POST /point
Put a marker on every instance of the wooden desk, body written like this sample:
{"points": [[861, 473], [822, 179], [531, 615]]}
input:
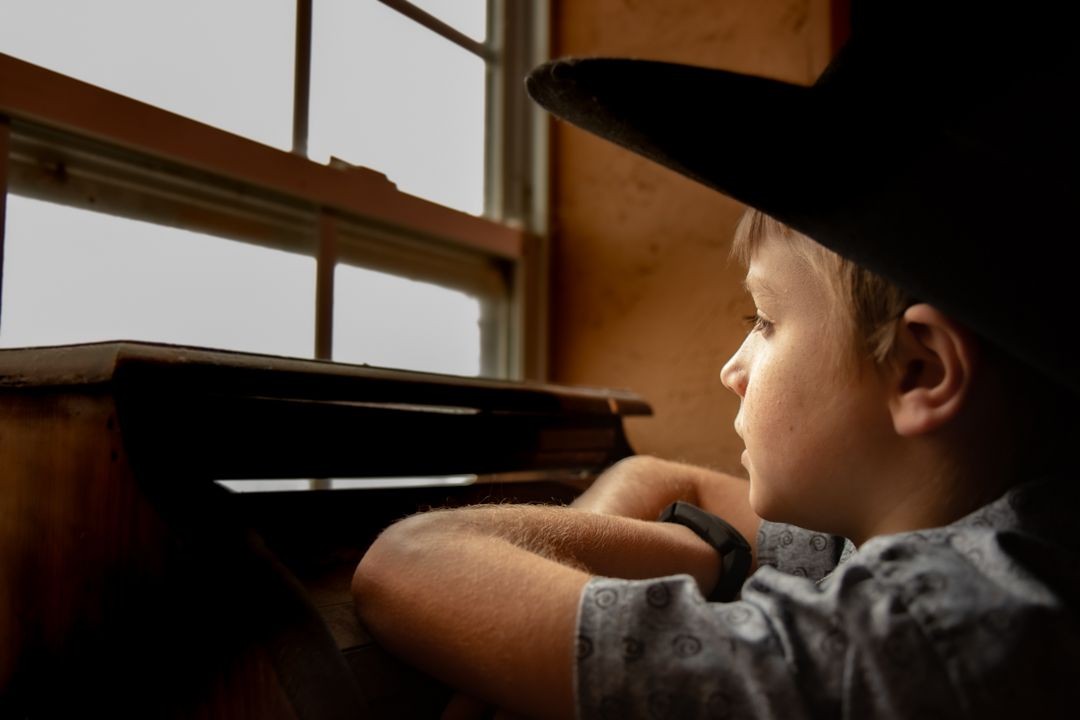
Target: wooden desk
{"points": [[133, 585]]}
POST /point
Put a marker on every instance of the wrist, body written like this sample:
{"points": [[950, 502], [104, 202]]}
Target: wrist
{"points": [[700, 559]]}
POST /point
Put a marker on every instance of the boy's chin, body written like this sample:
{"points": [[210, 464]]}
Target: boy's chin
{"points": [[768, 506], [760, 501]]}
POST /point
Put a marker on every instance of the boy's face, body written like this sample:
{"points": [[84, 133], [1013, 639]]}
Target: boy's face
{"points": [[814, 419]]}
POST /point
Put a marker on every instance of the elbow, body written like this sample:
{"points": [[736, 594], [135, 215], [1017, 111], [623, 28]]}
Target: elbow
{"points": [[366, 584], [387, 563], [372, 579]]}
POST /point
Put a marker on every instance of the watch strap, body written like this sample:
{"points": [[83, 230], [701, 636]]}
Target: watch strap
{"points": [[733, 548]]}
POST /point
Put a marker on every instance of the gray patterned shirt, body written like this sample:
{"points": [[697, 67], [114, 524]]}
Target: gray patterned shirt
{"points": [[974, 619]]}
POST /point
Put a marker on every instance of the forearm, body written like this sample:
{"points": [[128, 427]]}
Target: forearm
{"points": [[462, 593], [641, 486]]}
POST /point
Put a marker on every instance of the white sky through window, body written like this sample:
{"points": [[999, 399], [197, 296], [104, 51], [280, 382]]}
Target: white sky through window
{"points": [[72, 275], [391, 321], [227, 64], [386, 93], [391, 95]]}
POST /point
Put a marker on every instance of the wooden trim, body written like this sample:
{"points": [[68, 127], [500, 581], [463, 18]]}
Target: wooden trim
{"points": [[5, 135], [101, 364], [325, 264], [517, 174], [32, 93], [302, 78]]}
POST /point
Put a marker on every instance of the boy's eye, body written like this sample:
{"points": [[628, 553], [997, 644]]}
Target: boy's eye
{"points": [[756, 323]]}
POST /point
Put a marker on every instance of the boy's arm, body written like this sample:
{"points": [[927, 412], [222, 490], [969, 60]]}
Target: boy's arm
{"points": [[641, 486], [485, 598]]}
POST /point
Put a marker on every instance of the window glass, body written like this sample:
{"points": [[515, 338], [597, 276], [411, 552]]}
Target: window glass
{"points": [[346, 483], [71, 276], [401, 482], [227, 64], [467, 16], [261, 486], [388, 94], [389, 321]]}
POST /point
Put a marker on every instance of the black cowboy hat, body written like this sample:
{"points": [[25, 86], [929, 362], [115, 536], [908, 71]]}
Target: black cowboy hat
{"points": [[940, 148]]}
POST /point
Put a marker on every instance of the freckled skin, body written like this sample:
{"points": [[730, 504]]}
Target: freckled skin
{"points": [[815, 424]]}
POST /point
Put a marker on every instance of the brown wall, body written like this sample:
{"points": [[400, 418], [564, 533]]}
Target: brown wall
{"points": [[643, 294]]}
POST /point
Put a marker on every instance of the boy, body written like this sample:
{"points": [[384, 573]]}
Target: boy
{"points": [[918, 416]]}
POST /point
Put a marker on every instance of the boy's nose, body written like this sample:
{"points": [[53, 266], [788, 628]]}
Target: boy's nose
{"points": [[733, 374]]}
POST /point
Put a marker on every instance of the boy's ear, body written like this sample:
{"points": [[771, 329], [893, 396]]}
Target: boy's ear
{"points": [[935, 359]]}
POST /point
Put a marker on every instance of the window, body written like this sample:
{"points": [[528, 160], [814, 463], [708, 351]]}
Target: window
{"points": [[198, 173], [391, 321], [64, 284]]}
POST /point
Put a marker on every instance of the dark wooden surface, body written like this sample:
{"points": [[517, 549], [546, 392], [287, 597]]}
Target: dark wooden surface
{"points": [[131, 585]]}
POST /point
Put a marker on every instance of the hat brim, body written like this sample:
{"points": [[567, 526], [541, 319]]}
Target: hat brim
{"points": [[805, 157], [703, 123]]}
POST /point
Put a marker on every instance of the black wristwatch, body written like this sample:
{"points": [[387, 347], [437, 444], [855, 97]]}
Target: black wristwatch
{"points": [[729, 542]]}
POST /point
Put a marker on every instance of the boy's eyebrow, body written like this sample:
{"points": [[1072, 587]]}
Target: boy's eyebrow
{"points": [[756, 286]]}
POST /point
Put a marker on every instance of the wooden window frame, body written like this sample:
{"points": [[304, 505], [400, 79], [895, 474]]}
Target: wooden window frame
{"points": [[74, 143]]}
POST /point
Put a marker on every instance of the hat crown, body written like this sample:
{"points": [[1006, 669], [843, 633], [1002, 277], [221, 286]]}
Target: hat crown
{"points": [[938, 149], [950, 51], [980, 73]]}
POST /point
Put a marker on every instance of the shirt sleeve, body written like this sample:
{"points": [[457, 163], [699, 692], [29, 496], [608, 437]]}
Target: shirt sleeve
{"points": [[788, 648]]}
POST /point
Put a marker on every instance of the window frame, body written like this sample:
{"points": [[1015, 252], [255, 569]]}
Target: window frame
{"points": [[77, 144]]}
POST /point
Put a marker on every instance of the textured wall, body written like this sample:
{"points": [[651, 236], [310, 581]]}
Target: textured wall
{"points": [[643, 294]]}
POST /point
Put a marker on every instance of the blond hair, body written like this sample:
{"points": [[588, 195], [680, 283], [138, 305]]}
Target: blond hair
{"points": [[869, 305]]}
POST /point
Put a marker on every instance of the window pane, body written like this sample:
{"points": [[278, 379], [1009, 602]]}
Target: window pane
{"points": [[391, 95], [72, 276], [265, 485], [346, 483], [390, 321], [400, 482], [468, 16], [227, 64]]}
